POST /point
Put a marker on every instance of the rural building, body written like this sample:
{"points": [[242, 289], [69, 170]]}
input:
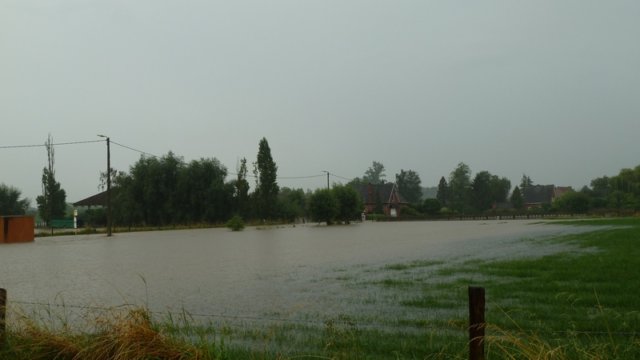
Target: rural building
{"points": [[99, 199], [537, 196], [382, 197], [16, 229]]}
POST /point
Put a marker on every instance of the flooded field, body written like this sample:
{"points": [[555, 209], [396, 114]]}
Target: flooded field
{"points": [[302, 272]]}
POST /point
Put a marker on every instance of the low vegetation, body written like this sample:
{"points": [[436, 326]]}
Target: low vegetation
{"points": [[235, 223]]}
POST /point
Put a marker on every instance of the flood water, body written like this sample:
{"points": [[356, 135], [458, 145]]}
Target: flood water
{"points": [[256, 272]]}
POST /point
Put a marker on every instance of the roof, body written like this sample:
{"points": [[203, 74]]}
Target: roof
{"points": [[99, 199], [561, 190], [368, 193], [538, 194]]}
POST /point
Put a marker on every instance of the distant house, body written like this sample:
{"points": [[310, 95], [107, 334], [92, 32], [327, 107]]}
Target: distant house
{"points": [[382, 197], [538, 196]]}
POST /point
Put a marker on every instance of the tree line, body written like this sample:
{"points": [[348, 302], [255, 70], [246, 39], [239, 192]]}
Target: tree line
{"points": [[167, 190]]}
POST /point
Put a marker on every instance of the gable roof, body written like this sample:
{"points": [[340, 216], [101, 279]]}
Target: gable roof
{"points": [[386, 192]]}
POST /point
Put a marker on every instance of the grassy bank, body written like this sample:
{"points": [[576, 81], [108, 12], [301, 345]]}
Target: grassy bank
{"points": [[580, 303]]}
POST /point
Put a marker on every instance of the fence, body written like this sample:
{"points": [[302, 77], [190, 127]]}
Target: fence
{"points": [[488, 216], [476, 327], [476, 321]]}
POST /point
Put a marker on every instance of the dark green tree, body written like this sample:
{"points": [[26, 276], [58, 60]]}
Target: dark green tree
{"points": [[10, 202], [323, 206], [431, 206], [409, 186], [517, 201], [266, 193], [52, 203], [481, 191], [573, 202], [125, 212], [443, 192], [460, 188], [152, 189], [525, 181], [356, 183], [166, 190], [292, 204], [241, 193], [488, 189], [600, 191], [349, 203], [375, 174], [202, 193]]}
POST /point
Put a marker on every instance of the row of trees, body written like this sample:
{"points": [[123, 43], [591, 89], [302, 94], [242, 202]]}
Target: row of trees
{"points": [[460, 193], [463, 194], [168, 190], [340, 203], [616, 193], [409, 183]]}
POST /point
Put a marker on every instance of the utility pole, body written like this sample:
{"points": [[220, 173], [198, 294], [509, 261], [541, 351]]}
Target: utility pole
{"points": [[327, 178], [108, 184]]}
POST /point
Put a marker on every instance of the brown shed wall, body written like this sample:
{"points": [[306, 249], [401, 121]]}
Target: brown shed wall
{"points": [[15, 229]]}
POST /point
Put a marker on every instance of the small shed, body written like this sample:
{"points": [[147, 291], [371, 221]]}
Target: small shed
{"points": [[17, 229]]}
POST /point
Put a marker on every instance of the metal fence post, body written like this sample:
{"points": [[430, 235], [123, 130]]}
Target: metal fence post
{"points": [[476, 323]]}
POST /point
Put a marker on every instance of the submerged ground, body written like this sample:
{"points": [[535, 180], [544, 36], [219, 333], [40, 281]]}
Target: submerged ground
{"points": [[369, 290]]}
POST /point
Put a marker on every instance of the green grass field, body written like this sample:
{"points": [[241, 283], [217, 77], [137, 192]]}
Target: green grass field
{"points": [[582, 303]]}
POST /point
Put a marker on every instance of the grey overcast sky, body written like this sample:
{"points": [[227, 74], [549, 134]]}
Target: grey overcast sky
{"points": [[546, 88]]}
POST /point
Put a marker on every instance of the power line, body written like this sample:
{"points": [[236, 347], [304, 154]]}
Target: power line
{"points": [[340, 177], [44, 145], [133, 149], [300, 177], [152, 155]]}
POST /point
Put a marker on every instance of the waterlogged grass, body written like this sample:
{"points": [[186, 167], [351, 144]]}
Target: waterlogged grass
{"points": [[413, 264], [581, 303]]}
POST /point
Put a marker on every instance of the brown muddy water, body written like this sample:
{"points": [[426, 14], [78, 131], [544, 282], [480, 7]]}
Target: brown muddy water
{"points": [[302, 272]]}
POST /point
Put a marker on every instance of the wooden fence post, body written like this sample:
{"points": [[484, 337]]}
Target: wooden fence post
{"points": [[476, 323], [3, 316]]}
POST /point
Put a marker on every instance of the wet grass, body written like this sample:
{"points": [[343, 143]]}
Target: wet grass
{"points": [[412, 265], [581, 303]]}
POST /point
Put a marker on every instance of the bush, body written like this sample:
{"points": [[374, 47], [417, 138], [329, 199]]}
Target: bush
{"points": [[323, 206], [431, 207], [235, 223]]}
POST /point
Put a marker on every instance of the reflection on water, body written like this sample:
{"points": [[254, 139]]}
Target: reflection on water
{"points": [[284, 271]]}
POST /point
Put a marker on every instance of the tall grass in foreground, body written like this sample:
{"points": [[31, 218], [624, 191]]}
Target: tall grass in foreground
{"points": [[134, 335], [117, 336]]}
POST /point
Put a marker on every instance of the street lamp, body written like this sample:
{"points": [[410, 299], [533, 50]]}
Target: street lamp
{"points": [[108, 184]]}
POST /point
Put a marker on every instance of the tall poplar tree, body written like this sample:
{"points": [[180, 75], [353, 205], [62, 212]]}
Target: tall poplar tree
{"points": [[242, 189], [52, 203], [443, 192], [267, 189]]}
